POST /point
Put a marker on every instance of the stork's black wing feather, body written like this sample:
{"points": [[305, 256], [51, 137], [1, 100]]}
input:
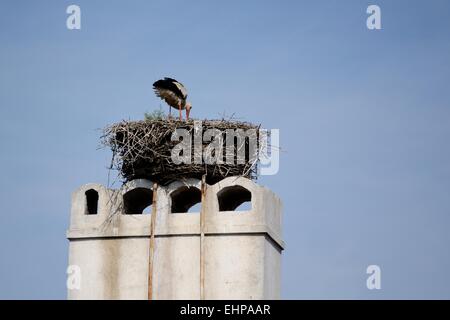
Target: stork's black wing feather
{"points": [[170, 84], [171, 79]]}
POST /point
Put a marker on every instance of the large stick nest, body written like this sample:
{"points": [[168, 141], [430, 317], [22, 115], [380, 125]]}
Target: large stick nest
{"points": [[142, 149]]}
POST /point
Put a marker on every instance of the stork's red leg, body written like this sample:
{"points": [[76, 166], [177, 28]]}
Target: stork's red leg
{"points": [[179, 109]]}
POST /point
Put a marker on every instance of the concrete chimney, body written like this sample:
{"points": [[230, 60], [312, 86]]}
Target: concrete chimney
{"points": [[118, 252]]}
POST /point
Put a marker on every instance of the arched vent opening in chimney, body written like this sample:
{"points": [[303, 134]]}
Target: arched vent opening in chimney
{"points": [[138, 201], [234, 198], [186, 199], [91, 201]]}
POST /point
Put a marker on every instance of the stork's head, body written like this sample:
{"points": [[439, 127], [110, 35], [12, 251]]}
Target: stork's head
{"points": [[188, 109]]}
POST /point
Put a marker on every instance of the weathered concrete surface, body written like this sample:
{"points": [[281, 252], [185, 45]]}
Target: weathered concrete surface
{"points": [[242, 249]]}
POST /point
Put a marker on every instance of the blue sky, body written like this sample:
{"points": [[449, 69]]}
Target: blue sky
{"points": [[364, 119]]}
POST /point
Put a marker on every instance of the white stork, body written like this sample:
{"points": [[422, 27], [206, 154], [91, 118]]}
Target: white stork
{"points": [[174, 93]]}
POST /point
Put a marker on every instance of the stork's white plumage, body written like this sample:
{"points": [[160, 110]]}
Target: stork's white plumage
{"points": [[174, 93]]}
